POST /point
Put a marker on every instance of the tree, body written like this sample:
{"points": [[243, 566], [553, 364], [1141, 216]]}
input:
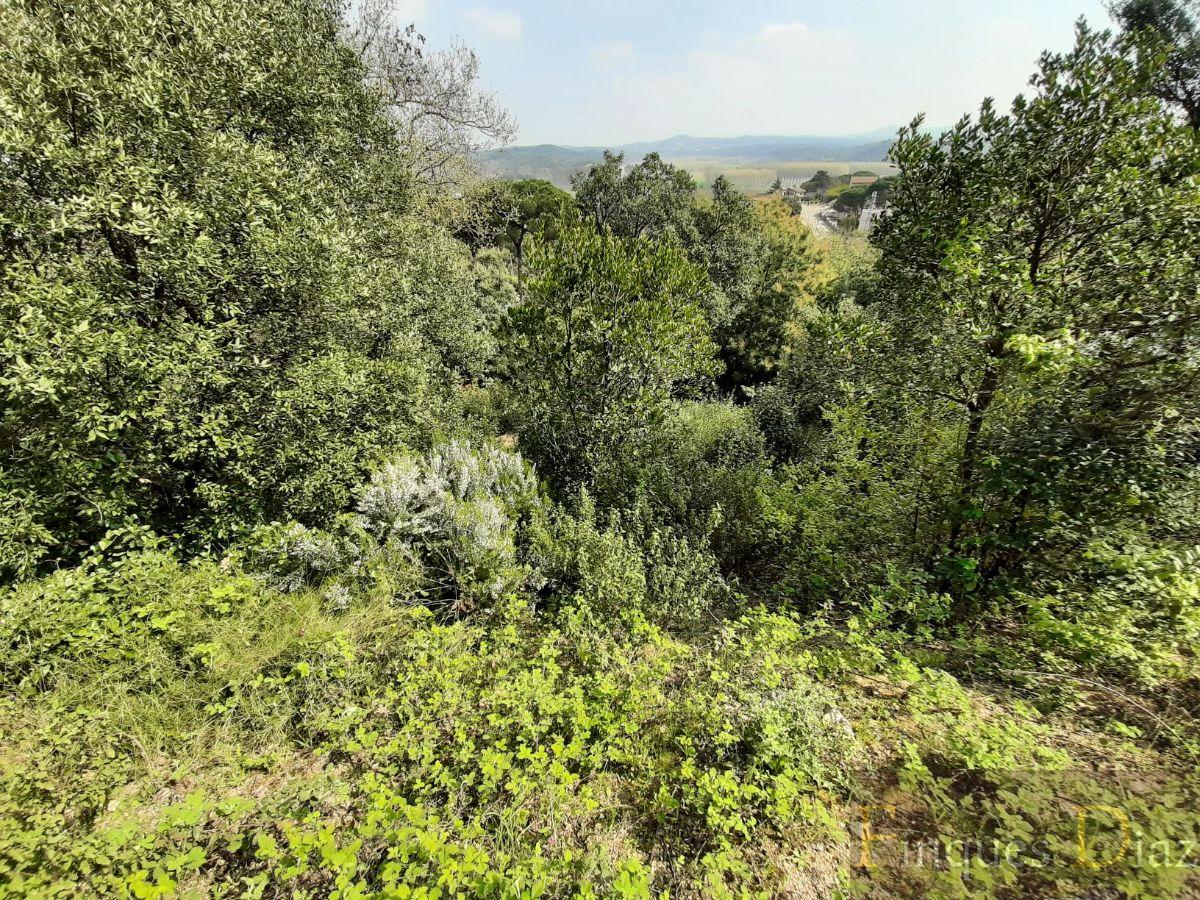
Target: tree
{"points": [[216, 302], [1039, 292], [1176, 24], [758, 255], [761, 334], [518, 209], [441, 116], [651, 198], [853, 199], [726, 239], [606, 332], [819, 183], [746, 306]]}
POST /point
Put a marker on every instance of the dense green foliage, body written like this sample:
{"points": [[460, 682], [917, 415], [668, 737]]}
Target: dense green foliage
{"points": [[183, 730], [367, 530], [753, 265], [1171, 27], [208, 273], [1029, 344], [608, 328], [510, 212]]}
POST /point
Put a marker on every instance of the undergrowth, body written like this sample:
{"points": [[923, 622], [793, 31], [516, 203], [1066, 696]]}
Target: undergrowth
{"points": [[187, 730]]}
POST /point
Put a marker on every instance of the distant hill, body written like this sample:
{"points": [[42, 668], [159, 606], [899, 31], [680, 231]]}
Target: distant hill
{"points": [[558, 163]]}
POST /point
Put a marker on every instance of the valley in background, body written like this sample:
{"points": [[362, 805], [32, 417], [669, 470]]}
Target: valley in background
{"points": [[751, 163]]}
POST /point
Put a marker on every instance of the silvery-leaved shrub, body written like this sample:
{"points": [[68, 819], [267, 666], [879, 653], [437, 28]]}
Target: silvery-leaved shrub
{"points": [[445, 528]]}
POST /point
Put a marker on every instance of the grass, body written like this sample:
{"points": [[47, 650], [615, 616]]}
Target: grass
{"points": [[192, 733]]}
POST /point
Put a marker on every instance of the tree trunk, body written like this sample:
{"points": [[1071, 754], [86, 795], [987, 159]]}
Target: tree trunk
{"points": [[968, 466], [519, 247]]}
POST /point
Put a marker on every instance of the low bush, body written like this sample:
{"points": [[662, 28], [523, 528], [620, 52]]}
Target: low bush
{"points": [[182, 728], [621, 573], [442, 529]]}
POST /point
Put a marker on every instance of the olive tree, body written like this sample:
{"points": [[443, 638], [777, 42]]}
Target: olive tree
{"points": [[441, 114]]}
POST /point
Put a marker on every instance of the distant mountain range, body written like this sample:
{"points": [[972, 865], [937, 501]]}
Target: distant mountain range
{"points": [[557, 163]]}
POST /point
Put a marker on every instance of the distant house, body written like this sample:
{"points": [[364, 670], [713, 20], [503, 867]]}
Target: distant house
{"points": [[792, 187], [863, 179]]}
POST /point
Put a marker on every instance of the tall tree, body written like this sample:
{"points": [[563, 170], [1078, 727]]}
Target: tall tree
{"points": [[853, 199], [750, 267], [760, 334], [519, 209], [819, 183], [651, 198], [1039, 287], [757, 255], [441, 114], [216, 307]]}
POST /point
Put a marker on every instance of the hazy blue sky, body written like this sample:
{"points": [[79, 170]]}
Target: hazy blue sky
{"points": [[624, 70]]}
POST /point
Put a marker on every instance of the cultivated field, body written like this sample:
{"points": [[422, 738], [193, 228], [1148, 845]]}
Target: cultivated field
{"points": [[758, 178]]}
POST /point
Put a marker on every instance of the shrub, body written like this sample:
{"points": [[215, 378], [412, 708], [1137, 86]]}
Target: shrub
{"points": [[622, 575], [134, 622], [1124, 610], [445, 529], [713, 479]]}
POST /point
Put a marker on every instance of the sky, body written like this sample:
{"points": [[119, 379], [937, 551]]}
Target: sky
{"points": [[618, 71]]}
